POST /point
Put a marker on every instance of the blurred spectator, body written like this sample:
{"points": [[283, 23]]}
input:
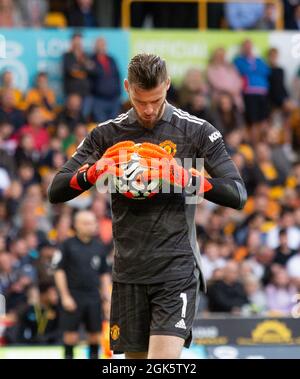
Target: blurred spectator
{"points": [[265, 170], [70, 145], [227, 294], [43, 96], [26, 152], [279, 153], [244, 15], [6, 272], [277, 92], [44, 263], [193, 83], [261, 263], [8, 111], [295, 20], [296, 87], [255, 74], [7, 143], [76, 68], [286, 221], [81, 14], [198, 107], [280, 293], [71, 114], [35, 127], [4, 181], [256, 296], [104, 104], [283, 253], [223, 77], [7, 82], [289, 8], [215, 15], [33, 12], [211, 259], [39, 319], [227, 116], [268, 20], [10, 16], [293, 269]]}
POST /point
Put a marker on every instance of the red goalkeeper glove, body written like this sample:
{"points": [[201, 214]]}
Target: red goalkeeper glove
{"points": [[108, 164], [163, 166]]}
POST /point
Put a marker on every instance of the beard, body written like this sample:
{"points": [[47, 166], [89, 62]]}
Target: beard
{"points": [[152, 122]]}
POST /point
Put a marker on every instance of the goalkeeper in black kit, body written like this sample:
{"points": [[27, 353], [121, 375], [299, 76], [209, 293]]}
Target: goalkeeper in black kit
{"points": [[157, 269]]}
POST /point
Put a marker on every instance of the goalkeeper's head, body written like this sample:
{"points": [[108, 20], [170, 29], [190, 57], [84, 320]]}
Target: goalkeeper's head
{"points": [[147, 86]]}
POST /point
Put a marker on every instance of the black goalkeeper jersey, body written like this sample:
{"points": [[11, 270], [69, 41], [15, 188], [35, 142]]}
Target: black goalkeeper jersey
{"points": [[155, 239]]}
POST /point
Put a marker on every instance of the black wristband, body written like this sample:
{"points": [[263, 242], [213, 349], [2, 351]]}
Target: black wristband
{"points": [[82, 180]]}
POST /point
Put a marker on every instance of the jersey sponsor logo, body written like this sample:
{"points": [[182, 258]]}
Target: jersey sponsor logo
{"points": [[214, 136], [169, 146], [180, 324], [115, 332]]}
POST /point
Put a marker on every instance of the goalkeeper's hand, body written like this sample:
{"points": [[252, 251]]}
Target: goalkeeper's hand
{"points": [[108, 164], [163, 166]]}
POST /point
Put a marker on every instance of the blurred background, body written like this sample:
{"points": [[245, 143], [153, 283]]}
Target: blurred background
{"points": [[62, 66]]}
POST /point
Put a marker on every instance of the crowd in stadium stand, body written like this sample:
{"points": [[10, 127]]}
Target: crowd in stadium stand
{"points": [[251, 258], [92, 13]]}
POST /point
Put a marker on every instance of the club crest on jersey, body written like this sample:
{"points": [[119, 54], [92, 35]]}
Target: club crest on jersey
{"points": [[169, 146], [115, 332]]}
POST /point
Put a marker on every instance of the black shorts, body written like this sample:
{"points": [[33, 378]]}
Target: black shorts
{"points": [[257, 108], [88, 313], [139, 311]]}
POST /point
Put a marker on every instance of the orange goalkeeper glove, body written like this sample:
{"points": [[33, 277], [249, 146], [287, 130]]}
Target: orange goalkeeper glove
{"points": [[108, 164], [163, 166]]}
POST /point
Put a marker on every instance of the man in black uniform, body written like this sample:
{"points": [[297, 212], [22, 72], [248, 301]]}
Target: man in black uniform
{"points": [[77, 274], [157, 268]]}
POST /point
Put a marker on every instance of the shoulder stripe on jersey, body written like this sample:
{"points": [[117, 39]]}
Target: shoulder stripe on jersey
{"points": [[199, 122], [186, 114], [117, 120]]}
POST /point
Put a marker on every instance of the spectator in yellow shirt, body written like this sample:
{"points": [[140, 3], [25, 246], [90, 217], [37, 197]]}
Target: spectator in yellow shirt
{"points": [[7, 82], [43, 96]]}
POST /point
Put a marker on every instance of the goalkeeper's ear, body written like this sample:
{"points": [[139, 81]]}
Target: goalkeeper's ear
{"points": [[168, 82]]}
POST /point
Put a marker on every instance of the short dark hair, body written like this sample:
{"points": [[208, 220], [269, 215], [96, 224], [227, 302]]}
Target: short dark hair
{"points": [[147, 71]]}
